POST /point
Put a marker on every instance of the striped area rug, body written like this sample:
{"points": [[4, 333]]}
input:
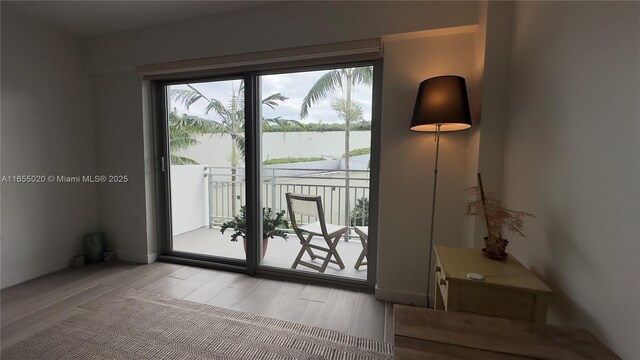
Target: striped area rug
{"points": [[136, 325]]}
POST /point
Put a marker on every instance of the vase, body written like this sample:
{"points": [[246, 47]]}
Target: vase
{"points": [[265, 244], [93, 247], [495, 249]]}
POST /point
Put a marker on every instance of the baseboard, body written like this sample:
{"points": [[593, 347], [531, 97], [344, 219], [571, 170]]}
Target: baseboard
{"points": [[401, 297], [11, 278], [134, 258], [137, 258]]}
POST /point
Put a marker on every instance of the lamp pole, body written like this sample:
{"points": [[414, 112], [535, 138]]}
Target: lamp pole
{"points": [[433, 210], [441, 105]]}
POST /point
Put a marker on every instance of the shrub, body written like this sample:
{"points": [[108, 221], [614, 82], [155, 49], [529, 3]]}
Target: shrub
{"points": [[290, 160], [320, 127], [356, 152]]}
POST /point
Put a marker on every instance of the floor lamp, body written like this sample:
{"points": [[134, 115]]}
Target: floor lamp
{"points": [[441, 105]]}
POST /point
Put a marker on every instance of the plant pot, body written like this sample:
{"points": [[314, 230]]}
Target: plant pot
{"points": [[495, 249], [265, 244]]}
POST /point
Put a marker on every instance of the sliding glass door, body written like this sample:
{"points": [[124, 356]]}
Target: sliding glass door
{"points": [[316, 143], [271, 171], [206, 166]]}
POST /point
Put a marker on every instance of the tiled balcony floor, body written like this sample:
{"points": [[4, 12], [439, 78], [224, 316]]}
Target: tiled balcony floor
{"points": [[280, 252]]}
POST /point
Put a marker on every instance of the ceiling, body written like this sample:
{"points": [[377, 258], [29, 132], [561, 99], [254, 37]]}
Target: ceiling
{"points": [[90, 18]]}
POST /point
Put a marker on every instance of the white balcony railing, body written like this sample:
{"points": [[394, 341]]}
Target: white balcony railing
{"points": [[342, 191]]}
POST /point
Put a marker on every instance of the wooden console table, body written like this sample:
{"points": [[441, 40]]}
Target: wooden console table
{"points": [[421, 333], [508, 289]]}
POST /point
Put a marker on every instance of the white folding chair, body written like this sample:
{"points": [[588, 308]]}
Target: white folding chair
{"points": [[311, 206]]}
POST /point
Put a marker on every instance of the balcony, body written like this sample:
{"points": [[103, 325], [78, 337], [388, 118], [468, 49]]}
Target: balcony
{"points": [[280, 252], [204, 197]]}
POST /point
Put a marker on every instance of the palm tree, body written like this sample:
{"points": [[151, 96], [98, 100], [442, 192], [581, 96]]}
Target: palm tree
{"points": [[182, 135], [329, 83], [231, 120]]}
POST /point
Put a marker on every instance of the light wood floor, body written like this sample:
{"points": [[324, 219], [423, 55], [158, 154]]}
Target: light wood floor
{"points": [[41, 303]]}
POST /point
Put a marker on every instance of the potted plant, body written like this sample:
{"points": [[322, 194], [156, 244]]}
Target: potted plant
{"points": [[360, 213], [272, 225], [496, 218]]}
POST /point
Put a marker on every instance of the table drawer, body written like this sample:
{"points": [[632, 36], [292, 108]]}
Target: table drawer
{"points": [[443, 285]]}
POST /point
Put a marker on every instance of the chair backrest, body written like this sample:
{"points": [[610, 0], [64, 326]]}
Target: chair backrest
{"points": [[307, 205]]}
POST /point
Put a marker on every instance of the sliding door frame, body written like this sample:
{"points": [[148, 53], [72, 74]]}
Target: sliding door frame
{"points": [[374, 177], [253, 178], [163, 181]]}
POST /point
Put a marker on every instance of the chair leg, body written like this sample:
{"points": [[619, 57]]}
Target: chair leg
{"points": [[309, 251], [305, 248], [336, 253], [333, 252], [298, 258], [363, 253], [327, 258]]}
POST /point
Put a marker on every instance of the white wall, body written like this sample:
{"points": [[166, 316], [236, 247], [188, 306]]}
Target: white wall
{"points": [[475, 86], [487, 138], [495, 90], [124, 210], [122, 207], [215, 150], [309, 144], [572, 158], [47, 128], [407, 160], [273, 26], [189, 198]]}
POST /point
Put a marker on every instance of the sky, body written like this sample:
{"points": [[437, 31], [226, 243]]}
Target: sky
{"points": [[295, 86]]}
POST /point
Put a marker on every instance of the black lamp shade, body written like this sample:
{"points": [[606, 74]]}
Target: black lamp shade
{"points": [[442, 101]]}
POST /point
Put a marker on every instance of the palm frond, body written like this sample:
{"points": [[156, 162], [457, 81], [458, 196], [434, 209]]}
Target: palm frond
{"points": [[362, 75], [240, 118], [279, 124], [196, 90], [181, 160], [191, 124], [327, 83], [272, 100], [183, 130], [242, 146], [237, 99], [211, 126], [233, 103], [185, 96], [220, 109], [182, 143]]}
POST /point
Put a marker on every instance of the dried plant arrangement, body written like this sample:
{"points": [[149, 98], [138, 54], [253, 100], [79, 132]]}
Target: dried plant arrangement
{"points": [[497, 218]]}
